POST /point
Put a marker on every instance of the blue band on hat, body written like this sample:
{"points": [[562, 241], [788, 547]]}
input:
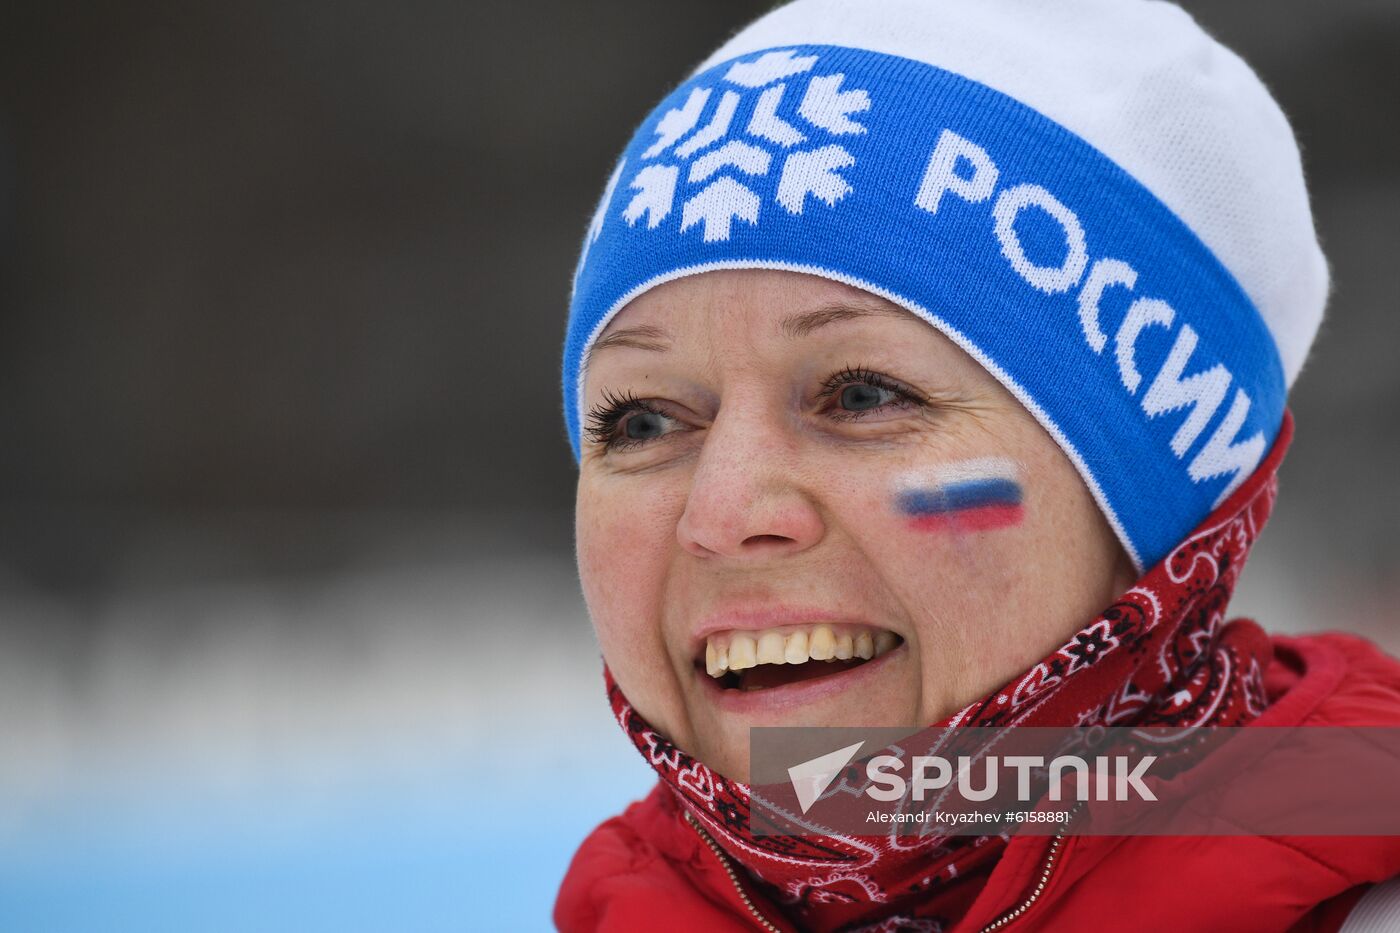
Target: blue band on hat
{"points": [[1084, 295]]}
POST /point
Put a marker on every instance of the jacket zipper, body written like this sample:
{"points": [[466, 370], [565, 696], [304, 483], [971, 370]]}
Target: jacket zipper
{"points": [[1047, 869], [733, 877]]}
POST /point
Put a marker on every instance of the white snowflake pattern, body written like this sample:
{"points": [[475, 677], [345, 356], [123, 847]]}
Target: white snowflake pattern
{"points": [[711, 155]]}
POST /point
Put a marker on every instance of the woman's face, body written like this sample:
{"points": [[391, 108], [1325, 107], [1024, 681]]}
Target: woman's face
{"points": [[798, 504]]}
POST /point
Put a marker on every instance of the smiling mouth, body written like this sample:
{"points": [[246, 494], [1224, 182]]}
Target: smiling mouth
{"points": [[777, 657]]}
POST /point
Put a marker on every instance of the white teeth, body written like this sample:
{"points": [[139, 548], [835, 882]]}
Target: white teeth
{"points": [[844, 651], [770, 648], [716, 659], [865, 646], [739, 651], [795, 652]]}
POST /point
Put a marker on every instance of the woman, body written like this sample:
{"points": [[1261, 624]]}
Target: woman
{"points": [[927, 365]]}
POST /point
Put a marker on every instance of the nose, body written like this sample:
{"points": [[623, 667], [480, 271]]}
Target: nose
{"points": [[746, 500]]}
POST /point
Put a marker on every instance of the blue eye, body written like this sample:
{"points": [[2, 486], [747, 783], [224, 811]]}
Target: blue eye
{"points": [[857, 390], [624, 421], [644, 425], [863, 397]]}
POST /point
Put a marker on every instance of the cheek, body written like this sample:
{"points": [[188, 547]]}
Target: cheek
{"points": [[958, 537], [962, 498], [964, 518], [623, 547]]}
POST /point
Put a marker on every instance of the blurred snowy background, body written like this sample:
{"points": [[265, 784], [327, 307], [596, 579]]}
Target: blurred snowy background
{"points": [[286, 582]]}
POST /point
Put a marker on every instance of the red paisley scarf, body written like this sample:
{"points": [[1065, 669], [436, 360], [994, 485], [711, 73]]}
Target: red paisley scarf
{"points": [[1162, 654]]}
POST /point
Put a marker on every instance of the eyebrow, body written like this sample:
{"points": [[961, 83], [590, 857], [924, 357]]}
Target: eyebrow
{"points": [[800, 325], [649, 337], [641, 337]]}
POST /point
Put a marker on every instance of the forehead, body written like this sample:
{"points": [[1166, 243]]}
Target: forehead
{"points": [[745, 303], [765, 291]]}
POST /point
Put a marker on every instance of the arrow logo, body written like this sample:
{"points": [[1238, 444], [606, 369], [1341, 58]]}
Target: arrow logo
{"points": [[811, 778]]}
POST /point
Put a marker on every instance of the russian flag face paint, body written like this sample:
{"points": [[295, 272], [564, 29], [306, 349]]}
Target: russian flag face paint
{"points": [[967, 495]]}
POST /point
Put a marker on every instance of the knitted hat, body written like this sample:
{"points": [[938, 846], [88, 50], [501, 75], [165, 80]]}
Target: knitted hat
{"points": [[1093, 198]]}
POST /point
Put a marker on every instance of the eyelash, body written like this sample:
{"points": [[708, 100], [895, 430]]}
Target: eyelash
{"points": [[604, 418], [904, 396]]}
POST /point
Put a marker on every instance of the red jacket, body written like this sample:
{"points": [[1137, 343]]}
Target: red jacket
{"points": [[648, 870]]}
